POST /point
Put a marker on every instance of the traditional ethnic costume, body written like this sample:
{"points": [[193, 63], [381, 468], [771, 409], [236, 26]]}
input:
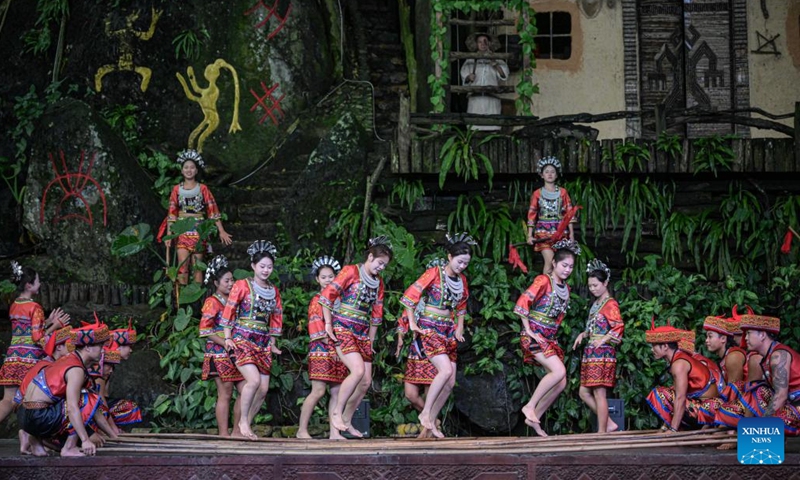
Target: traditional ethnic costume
{"points": [[196, 203], [419, 370], [544, 305], [61, 336], [216, 361], [701, 399], [442, 292], [51, 419], [27, 338], [757, 396], [729, 329], [361, 306], [123, 410], [255, 315], [599, 364], [324, 363], [547, 208]]}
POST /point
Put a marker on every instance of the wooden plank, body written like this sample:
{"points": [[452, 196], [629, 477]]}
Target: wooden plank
{"points": [[685, 160], [769, 155], [649, 165], [401, 164], [595, 156], [738, 149], [416, 154], [548, 149], [797, 134], [784, 155], [583, 156], [758, 155], [747, 156]]}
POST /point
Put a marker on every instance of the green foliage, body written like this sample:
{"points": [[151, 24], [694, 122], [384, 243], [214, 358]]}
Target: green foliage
{"points": [[713, 154], [628, 156], [122, 119], [188, 43], [49, 12], [407, 193], [165, 171], [459, 154], [669, 144], [492, 227]]}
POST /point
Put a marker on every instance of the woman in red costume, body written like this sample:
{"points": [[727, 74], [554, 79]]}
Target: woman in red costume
{"points": [[29, 332], [419, 372], [216, 362], [604, 329], [252, 322], [548, 206], [542, 308], [441, 322], [192, 199], [324, 365], [352, 326]]}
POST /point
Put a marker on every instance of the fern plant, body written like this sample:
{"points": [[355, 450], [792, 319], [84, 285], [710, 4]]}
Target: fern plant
{"points": [[459, 154]]}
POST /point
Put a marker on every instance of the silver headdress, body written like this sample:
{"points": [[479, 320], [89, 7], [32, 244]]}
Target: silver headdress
{"points": [[544, 162], [380, 240], [436, 262], [259, 247], [596, 265], [214, 266], [192, 155], [16, 272], [460, 238], [567, 244], [325, 261]]}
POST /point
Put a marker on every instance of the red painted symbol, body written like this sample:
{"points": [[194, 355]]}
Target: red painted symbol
{"points": [[271, 12], [73, 184], [271, 104]]}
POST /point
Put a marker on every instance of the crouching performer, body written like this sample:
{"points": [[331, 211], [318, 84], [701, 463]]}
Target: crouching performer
{"points": [[60, 400]]}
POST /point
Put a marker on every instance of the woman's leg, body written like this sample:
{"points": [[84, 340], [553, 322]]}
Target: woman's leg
{"points": [[442, 399], [355, 364], [333, 434], [549, 386], [316, 394], [547, 256], [223, 407], [604, 423], [587, 395], [183, 266], [7, 403], [237, 410], [412, 394], [252, 380], [444, 372], [261, 396], [355, 400], [198, 274]]}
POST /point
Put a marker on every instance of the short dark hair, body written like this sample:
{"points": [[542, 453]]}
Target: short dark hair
{"points": [[380, 250], [459, 248], [563, 253], [28, 276], [598, 274]]}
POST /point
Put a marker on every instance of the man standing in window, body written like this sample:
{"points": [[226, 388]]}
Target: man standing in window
{"points": [[483, 72]]}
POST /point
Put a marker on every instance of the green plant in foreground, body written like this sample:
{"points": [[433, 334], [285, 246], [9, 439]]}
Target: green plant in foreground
{"points": [[459, 154]]}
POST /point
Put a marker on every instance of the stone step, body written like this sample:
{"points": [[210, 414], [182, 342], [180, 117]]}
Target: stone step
{"points": [[258, 210], [251, 231]]}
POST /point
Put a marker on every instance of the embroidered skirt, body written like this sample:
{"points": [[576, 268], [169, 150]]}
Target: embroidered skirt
{"points": [[324, 363], [544, 229], [438, 336], [599, 366], [698, 412], [217, 363]]}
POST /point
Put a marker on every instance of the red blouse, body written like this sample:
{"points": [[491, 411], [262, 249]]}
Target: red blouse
{"points": [[345, 288], [316, 322], [204, 204], [429, 286]]}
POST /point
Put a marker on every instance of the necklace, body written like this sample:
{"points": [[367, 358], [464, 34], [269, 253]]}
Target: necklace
{"points": [[454, 289], [548, 195], [264, 301], [367, 286]]}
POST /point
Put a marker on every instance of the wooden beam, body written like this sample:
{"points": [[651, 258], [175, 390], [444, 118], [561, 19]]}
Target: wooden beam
{"points": [[481, 88], [481, 23], [463, 55]]}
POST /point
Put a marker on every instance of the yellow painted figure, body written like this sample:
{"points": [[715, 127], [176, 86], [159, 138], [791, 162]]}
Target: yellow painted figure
{"points": [[207, 98], [125, 62]]}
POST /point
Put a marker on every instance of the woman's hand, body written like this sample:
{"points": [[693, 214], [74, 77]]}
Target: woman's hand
{"points": [[530, 238], [59, 316], [578, 340], [399, 346], [229, 345], [225, 237], [329, 331], [598, 343], [459, 333]]}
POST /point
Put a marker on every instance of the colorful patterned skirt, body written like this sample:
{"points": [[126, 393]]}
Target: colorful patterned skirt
{"points": [[599, 366], [698, 412], [737, 397], [352, 336], [252, 348], [52, 420], [544, 229], [324, 363], [752, 401], [124, 412], [419, 370], [438, 336], [20, 358], [548, 345], [217, 363]]}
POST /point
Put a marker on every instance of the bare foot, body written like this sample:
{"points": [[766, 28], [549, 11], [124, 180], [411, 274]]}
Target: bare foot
{"points": [[726, 446], [354, 432], [337, 422], [530, 415], [425, 433], [437, 433], [304, 434], [71, 452], [247, 433], [24, 443], [335, 435], [39, 451], [537, 427], [426, 422], [611, 427], [237, 433]]}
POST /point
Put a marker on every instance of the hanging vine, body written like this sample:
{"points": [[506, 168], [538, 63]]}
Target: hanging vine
{"points": [[440, 46]]}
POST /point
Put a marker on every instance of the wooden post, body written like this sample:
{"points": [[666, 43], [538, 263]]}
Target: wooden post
{"points": [[797, 135], [403, 136], [407, 38], [661, 119]]}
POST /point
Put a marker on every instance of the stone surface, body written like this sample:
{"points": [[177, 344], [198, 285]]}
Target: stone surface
{"points": [[139, 379], [486, 401]]}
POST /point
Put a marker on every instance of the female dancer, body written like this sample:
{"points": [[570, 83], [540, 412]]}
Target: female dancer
{"points": [[192, 199], [548, 206], [542, 307], [353, 324], [441, 323], [251, 321], [604, 329], [216, 362], [324, 365], [420, 372], [30, 332]]}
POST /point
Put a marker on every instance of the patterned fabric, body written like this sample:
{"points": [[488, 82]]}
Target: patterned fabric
{"points": [[544, 311], [760, 322], [664, 334], [124, 412], [599, 364], [27, 339], [544, 215], [253, 322], [324, 363], [738, 403], [316, 321], [53, 421], [438, 336], [354, 340], [358, 303], [201, 204], [419, 370], [699, 411], [52, 380], [216, 362]]}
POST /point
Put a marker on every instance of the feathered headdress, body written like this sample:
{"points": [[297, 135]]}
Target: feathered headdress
{"points": [[380, 240], [325, 261], [596, 265], [546, 161], [460, 238], [16, 272], [567, 244], [214, 266], [192, 155], [260, 247]]}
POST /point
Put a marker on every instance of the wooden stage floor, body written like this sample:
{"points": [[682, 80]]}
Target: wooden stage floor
{"points": [[620, 456]]}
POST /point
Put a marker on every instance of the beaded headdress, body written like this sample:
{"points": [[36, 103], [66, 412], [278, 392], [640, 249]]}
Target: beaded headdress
{"points": [[214, 266], [325, 261], [124, 336], [16, 272], [596, 265], [460, 238], [546, 161], [62, 335], [90, 334], [436, 262], [260, 247], [686, 342], [567, 244], [760, 322], [721, 325], [111, 354], [192, 155], [379, 240], [663, 334]]}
